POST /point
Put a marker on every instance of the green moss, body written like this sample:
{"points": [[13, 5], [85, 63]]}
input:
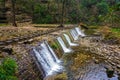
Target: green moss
{"points": [[94, 27], [116, 31], [111, 34], [62, 76], [4, 25], [90, 31], [54, 46]]}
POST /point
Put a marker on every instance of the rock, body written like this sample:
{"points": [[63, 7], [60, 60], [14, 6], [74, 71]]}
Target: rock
{"points": [[8, 50], [96, 61], [118, 76], [1, 55], [28, 41], [110, 73], [60, 26]]}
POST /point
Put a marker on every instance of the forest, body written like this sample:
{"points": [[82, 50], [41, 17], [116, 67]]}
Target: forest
{"points": [[59, 39], [92, 12]]}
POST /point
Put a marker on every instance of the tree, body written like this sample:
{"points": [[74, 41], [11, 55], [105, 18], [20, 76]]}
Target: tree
{"points": [[112, 18], [13, 13]]}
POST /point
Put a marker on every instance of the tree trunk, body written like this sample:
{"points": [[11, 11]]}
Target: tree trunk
{"points": [[13, 13], [3, 3], [63, 7], [32, 8]]}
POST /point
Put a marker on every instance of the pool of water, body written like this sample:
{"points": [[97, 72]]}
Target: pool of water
{"points": [[94, 71], [84, 67]]}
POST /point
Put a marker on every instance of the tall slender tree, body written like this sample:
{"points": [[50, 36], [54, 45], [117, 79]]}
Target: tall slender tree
{"points": [[13, 13]]}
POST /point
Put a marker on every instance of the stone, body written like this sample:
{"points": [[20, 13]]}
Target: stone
{"points": [[8, 50], [110, 73]]}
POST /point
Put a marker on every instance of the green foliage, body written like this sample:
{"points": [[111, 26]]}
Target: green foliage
{"points": [[88, 3], [8, 69], [91, 12], [116, 32], [110, 34], [99, 11], [41, 14], [73, 16], [54, 46], [102, 8], [111, 18], [3, 25]]}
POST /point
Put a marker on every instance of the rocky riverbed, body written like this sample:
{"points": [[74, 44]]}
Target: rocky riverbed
{"points": [[89, 67], [90, 61]]}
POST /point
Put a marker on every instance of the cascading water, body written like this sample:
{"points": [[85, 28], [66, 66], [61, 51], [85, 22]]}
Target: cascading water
{"points": [[74, 34], [52, 53], [41, 61], [46, 56], [47, 59], [65, 49], [69, 40], [79, 31]]}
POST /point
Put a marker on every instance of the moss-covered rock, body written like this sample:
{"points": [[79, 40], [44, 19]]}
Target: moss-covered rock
{"points": [[62, 76]]}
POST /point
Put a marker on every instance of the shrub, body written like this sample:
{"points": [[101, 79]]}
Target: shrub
{"points": [[8, 69]]}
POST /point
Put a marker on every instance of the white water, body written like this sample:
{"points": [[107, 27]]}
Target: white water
{"points": [[79, 31], [69, 40], [42, 61], [74, 34], [64, 47], [46, 59], [52, 52]]}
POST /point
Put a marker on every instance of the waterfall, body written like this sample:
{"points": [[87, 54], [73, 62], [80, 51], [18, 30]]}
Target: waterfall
{"points": [[41, 61], [64, 47], [69, 40], [79, 31], [52, 53], [74, 34], [47, 58]]}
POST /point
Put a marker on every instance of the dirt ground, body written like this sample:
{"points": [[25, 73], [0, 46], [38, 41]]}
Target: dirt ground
{"points": [[13, 32]]}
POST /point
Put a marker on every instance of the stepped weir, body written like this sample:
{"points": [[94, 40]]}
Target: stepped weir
{"points": [[47, 59], [49, 64]]}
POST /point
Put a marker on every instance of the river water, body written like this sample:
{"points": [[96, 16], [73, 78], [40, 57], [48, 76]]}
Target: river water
{"points": [[87, 67]]}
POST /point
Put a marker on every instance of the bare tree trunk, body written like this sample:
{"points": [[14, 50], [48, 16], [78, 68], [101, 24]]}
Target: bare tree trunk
{"points": [[62, 16], [59, 12], [13, 13], [48, 6], [3, 3], [32, 8], [63, 8]]}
